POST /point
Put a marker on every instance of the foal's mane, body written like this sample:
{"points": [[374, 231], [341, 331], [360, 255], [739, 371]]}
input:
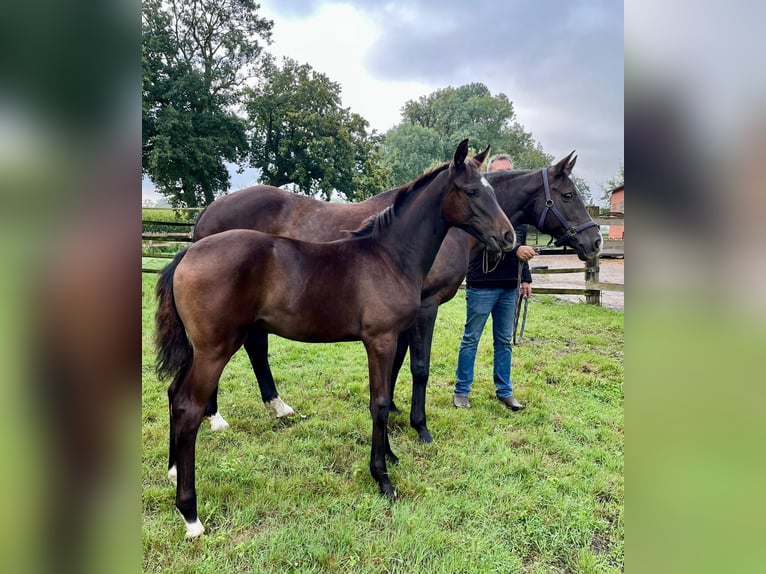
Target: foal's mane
{"points": [[403, 193]]}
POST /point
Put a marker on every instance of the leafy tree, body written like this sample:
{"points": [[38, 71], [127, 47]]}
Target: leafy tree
{"points": [[583, 189], [615, 181], [526, 152], [303, 138], [432, 124], [195, 58], [409, 150]]}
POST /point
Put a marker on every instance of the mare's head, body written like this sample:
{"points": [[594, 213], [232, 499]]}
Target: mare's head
{"points": [[470, 202], [547, 198], [562, 213]]}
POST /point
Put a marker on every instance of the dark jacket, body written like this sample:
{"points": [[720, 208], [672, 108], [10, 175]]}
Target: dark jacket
{"points": [[505, 275]]}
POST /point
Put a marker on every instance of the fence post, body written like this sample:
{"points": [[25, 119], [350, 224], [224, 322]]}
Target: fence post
{"points": [[593, 210], [592, 297]]}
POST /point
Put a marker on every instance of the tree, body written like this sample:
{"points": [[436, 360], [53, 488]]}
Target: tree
{"points": [[615, 181], [583, 189], [195, 58], [431, 125], [302, 137], [409, 150], [469, 111]]}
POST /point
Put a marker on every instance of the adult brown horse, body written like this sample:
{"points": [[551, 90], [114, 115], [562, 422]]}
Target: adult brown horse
{"points": [[235, 287], [545, 198]]}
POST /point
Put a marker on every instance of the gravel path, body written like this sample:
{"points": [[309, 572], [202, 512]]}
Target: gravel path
{"points": [[610, 271]]}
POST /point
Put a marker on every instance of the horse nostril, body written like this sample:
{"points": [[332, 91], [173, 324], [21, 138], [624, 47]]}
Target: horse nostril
{"points": [[509, 237], [598, 243]]}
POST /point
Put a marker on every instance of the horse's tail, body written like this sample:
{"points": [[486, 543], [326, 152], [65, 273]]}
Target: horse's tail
{"points": [[174, 350]]}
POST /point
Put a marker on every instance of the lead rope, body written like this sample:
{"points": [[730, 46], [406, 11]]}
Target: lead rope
{"points": [[485, 262], [517, 310]]}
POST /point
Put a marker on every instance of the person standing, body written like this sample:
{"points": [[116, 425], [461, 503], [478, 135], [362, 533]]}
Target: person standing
{"points": [[492, 288]]}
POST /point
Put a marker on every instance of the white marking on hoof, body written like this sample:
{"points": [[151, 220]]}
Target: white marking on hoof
{"points": [[280, 408], [173, 474], [217, 422], [194, 529]]}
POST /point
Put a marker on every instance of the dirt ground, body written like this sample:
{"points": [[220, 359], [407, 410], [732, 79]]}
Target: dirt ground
{"points": [[610, 271]]}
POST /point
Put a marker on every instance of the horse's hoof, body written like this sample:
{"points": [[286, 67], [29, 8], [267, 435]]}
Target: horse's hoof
{"points": [[388, 491], [173, 474], [217, 422], [194, 529], [424, 437], [280, 408]]}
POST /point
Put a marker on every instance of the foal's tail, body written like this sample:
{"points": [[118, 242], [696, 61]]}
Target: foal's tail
{"points": [[174, 350]]}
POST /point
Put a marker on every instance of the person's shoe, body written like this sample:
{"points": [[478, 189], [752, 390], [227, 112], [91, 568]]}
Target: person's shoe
{"points": [[511, 403], [461, 402]]}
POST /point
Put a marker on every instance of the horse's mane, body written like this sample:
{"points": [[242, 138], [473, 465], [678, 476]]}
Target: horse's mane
{"points": [[402, 194]]}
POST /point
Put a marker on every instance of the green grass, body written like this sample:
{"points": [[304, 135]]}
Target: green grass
{"points": [[536, 491]]}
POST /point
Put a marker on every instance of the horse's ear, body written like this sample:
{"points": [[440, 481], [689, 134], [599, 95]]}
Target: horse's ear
{"points": [[460, 153], [480, 157], [565, 166]]}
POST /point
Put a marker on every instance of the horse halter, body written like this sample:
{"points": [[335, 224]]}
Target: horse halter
{"points": [[571, 231]]}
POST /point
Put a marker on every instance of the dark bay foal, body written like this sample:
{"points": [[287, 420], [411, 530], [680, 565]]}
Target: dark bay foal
{"points": [[235, 287]]}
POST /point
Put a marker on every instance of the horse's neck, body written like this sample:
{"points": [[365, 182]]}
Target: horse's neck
{"points": [[413, 236], [516, 193]]}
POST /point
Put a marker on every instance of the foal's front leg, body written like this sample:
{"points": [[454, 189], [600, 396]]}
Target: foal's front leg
{"points": [[380, 357]]}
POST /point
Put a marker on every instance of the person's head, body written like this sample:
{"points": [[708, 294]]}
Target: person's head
{"points": [[500, 161]]}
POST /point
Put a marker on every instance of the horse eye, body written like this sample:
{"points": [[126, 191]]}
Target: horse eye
{"points": [[568, 196], [470, 192]]}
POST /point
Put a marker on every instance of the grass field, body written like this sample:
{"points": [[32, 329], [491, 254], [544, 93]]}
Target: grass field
{"points": [[537, 491]]}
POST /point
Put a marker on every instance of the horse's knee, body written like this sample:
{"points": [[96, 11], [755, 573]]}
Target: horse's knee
{"points": [[419, 370], [380, 408]]}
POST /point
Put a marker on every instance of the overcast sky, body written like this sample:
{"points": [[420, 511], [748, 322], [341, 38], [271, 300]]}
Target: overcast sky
{"points": [[560, 63]]}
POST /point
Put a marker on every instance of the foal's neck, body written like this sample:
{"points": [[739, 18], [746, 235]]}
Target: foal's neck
{"points": [[416, 228]]}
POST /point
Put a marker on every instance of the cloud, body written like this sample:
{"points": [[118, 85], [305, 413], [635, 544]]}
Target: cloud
{"points": [[560, 63]]}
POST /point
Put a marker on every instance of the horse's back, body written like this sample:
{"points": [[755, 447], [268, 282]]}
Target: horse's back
{"points": [[279, 212], [296, 289], [261, 207]]}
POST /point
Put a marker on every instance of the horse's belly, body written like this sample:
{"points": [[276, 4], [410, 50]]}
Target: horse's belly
{"points": [[310, 327]]}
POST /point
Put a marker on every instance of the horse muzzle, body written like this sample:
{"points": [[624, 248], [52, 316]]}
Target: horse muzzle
{"points": [[504, 242]]}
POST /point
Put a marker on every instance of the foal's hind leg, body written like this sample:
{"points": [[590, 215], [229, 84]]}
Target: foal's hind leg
{"points": [[257, 347], [187, 407]]}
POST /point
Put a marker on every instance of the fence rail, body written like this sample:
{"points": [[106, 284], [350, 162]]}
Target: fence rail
{"points": [[592, 289]]}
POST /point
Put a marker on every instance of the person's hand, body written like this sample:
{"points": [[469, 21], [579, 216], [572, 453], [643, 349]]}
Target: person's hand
{"points": [[526, 290], [525, 253]]}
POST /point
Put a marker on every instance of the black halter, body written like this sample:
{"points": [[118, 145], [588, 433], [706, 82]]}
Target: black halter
{"points": [[571, 231]]}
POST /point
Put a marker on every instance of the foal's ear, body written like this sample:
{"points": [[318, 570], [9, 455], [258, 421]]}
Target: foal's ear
{"points": [[480, 157], [565, 166], [460, 153]]}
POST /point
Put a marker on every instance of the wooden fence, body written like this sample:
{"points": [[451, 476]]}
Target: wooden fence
{"points": [[591, 290]]}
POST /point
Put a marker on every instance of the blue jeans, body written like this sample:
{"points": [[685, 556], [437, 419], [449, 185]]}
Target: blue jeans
{"points": [[501, 303]]}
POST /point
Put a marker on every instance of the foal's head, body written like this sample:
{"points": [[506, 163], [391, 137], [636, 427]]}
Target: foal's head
{"points": [[470, 202]]}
